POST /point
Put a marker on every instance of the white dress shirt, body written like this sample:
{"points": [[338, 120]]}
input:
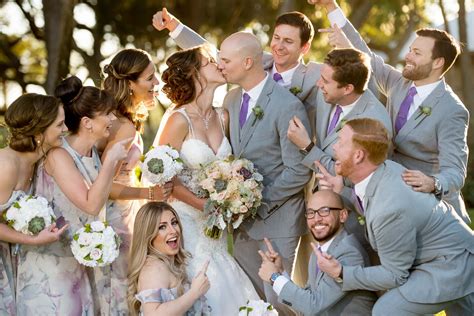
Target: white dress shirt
{"points": [[287, 75]]}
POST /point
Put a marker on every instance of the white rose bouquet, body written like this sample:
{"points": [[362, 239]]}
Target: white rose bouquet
{"points": [[234, 188], [257, 308], [30, 215], [95, 245], [161, 164]]}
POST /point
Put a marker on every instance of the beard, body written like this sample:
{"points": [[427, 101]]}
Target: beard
{"points": [[418, 72], [330, 234]]}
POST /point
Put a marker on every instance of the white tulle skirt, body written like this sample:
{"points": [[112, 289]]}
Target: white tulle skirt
{"points": [[230, 286]]}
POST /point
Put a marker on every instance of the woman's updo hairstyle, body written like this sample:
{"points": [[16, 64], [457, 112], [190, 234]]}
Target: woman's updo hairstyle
{"points": [[30, 115], [183, 68], [126, 66], [80, 101]]}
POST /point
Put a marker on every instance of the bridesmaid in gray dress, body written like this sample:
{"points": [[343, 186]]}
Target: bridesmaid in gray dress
{"points": [[35, 123], [72, 178]]}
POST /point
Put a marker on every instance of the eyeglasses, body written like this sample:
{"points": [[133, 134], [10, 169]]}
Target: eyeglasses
{"points": [[323, 211]]}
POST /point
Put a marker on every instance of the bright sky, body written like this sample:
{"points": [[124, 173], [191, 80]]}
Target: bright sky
{"points": [[12, 22]]}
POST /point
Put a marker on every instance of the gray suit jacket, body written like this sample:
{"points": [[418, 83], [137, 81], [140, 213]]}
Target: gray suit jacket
{"points": [[323, 295], [304, 78], [425, 249], [264, 142], [435, 144]]}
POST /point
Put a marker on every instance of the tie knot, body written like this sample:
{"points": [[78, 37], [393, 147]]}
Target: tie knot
{"points": [[246, 97], [412, 91], [277, 77], [338, 110]]}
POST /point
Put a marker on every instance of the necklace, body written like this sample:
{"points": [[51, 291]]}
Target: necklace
{"points": [[205, 119]]}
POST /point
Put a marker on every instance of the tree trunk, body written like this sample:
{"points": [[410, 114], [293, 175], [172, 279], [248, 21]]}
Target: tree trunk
{"points": [[466, 73], [443, 13], [286, 6], [59, 24], [360, 12]]}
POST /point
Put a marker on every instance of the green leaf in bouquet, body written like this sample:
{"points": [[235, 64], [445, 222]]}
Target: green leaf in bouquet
{"points": [[138, 173], [118, 241], [100, 260], [75, 237], [220, 185], [16, 205], [155, 165], [36, 225], [87, 228], [142, 158], [179, 160], [100, 246], [88, 257], [29, 197]]}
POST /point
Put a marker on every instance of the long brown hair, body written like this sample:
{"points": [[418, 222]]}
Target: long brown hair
{"points": [[144, 232]]}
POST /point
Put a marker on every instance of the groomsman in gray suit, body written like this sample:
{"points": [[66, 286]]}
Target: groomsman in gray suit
{"points": [[343, 95], [291, 40], [426, 251], [430, 121], [325, 218]]}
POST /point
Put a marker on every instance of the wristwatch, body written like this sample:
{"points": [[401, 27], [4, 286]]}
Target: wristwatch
{"points": [[273, 277], [438, 190], [307, 149], [339, 278]]}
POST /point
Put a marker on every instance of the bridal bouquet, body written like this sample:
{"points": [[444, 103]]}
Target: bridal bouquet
{"points": [[234, 188], [95, 245], [161, 164], [257, 308], [30, 215]]}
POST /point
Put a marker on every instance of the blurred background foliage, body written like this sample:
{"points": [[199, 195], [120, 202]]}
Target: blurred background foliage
{"points": [[42, 41]]}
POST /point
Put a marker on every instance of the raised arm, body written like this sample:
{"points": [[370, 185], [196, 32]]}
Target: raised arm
{"points": [[89, 199]]}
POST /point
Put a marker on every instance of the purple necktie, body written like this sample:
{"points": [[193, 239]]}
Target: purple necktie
{"points": [[404, 108], [277, 77], [335, 119], [244, 109], [359, 204]]}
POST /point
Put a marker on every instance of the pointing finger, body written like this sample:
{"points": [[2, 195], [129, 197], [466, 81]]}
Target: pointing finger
{"points": [[326, 30]]}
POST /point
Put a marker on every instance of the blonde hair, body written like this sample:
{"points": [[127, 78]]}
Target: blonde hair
{"points": [[144, 232]]}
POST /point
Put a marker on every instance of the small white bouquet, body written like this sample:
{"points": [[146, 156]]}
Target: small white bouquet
{"points": [[30, 215], [95, 245], [257, 308], [234, 188], [161, 164]]}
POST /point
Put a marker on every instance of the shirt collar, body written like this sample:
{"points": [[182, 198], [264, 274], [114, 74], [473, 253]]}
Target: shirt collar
{"points": [[286, 75], [424, 90], [255, 92], [325, 247], [361, 187]]}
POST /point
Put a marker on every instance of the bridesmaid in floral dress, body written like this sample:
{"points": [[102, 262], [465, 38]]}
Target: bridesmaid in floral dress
{"points": [[131, 80], [35, 123], [72, 178]]}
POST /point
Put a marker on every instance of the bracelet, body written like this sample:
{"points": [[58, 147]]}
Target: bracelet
{"points": [[151, 193]]}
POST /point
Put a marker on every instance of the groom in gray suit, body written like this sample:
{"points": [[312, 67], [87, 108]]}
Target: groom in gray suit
{"points": [[325, 217], [259, 113], [426, 251], [430, 121]]}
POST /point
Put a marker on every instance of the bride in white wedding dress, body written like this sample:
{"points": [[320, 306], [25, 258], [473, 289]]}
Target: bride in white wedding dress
{"points": [[198, 130]]}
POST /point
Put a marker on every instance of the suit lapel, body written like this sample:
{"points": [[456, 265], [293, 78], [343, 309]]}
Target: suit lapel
{"points": [[373, 183], [234, 111], [252, 122], [332, 251], [298, 77], [431, 101]]}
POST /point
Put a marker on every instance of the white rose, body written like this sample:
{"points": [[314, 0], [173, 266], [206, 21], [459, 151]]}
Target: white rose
{"points": [[96, 254], [97, 226]]}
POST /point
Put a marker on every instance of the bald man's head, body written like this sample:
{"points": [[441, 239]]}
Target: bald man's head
{"points": [[325, 215], [240, 54]]}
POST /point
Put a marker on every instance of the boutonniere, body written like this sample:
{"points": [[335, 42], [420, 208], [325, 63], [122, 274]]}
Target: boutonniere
{"points": [[341, 125], [424, 110], [361, 219], [258, 112], [295, 90]]}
